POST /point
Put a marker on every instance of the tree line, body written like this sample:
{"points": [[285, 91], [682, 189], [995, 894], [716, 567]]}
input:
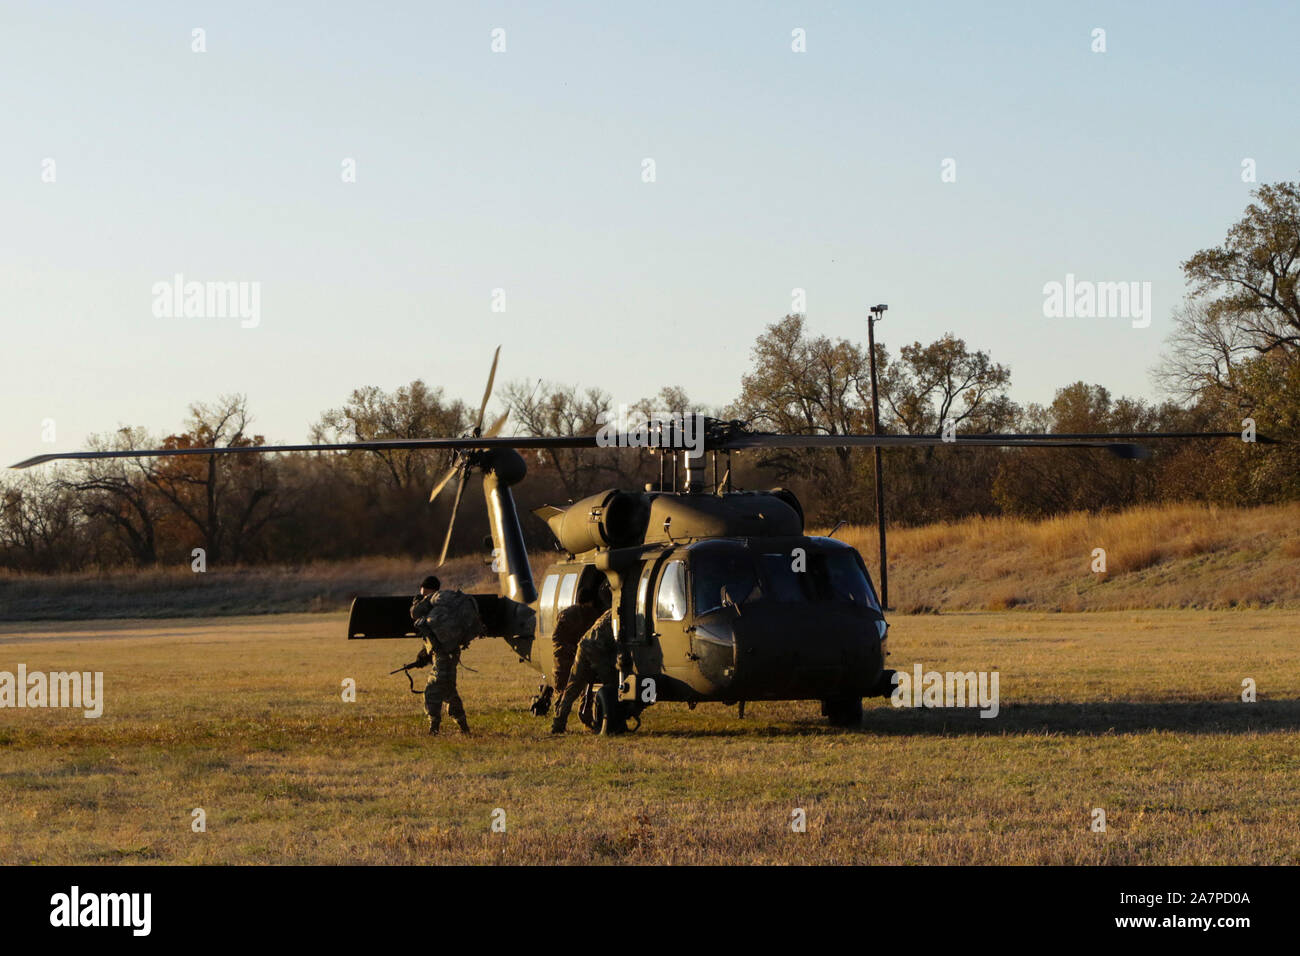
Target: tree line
{"points": [[1234, 355]]}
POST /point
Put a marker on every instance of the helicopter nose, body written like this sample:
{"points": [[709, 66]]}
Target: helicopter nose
{"points": [[803, 652]]}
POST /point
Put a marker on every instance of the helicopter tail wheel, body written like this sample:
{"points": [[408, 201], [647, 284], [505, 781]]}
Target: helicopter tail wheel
{"points": [[843, 711]]}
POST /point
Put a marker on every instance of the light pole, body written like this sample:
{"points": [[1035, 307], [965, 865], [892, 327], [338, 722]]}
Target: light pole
{"points": [[878, 313]]}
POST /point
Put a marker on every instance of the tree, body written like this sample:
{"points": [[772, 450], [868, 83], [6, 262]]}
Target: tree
{"points": [[117, 492], [945, 382], [38, 524], [930, 385], [226, 499], [1235, 349], [413, 411], [1202, 353], [1255, 272], [549, 409], [807, 386], [1041, 481]]}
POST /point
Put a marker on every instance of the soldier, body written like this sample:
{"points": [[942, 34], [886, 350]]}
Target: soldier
{"points": [[573, 622], [447, 621], [596, 664]]}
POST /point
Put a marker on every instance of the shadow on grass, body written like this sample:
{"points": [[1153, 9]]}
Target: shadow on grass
{"points": [[1089, 719]]}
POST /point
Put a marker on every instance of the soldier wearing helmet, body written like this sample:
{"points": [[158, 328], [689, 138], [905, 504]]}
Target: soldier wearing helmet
{"points": [[447, 621]]}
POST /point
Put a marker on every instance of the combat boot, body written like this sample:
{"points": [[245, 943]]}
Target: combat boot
{"points": [[463, 723], [557, 725]]}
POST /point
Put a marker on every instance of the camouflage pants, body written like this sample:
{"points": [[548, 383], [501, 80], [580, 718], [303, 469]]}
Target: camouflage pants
{"points": [[587, 669], [564, 654], [441, 689]]}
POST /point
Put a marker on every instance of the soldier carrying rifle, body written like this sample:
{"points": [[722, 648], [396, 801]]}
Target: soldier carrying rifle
{"points": [[446, 621]]}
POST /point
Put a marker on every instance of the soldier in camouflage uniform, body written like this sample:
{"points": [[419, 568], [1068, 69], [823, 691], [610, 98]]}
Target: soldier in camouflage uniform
{"points": [[573, 622], [447, 621], [597, 663]]}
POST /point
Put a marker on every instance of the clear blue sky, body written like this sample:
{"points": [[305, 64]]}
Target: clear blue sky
{"points": [[522, 170]]}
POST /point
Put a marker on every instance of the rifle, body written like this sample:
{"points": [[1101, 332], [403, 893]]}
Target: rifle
{"points": [[421, 661]]}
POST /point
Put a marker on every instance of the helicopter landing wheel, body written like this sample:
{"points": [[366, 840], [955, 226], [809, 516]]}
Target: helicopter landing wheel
{"points": [[608, 716], [843, 711]]}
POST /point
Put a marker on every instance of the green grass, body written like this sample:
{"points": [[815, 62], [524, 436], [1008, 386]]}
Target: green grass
{"points": [[1134, 712]]}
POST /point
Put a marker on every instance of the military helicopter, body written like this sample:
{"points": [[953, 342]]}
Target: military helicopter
{"points": [[720, 594]]}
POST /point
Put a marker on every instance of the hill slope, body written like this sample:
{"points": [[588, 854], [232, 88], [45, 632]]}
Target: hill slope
{"points": [[1172, 556]]}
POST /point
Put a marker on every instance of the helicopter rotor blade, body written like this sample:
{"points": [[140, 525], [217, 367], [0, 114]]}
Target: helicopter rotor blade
{"points": [[497, 425], [385, 444], [451, 522], [1122, 449], [437, 489], [487, 392], [1121, 443]]}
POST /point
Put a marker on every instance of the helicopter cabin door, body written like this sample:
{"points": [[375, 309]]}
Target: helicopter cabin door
{"points": [[670, 621]]}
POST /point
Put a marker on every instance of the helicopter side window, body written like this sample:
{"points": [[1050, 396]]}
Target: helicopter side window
{"points": [[713, 572], [671, 605], [568, 587], [547, 604], [643, 627]]}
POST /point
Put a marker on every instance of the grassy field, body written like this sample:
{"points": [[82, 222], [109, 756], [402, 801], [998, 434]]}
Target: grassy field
{"points": [[1137, 713]]}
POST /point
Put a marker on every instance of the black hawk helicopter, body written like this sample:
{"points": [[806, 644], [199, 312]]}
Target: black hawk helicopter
{"points": [[720, 595]]}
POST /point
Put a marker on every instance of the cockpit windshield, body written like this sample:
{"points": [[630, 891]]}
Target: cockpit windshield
{"points": [[813, 576], [818, 576]]}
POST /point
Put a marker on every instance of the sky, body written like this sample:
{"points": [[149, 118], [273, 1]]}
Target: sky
{"points": [[947, 159]]}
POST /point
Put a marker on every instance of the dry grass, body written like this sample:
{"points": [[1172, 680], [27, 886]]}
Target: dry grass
{"points": [[179, 592], [1175, 556], [1137, 713], [1172, 556]]}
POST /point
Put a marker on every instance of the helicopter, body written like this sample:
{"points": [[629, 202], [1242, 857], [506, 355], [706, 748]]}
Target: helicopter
{"points": [[719, 594]]}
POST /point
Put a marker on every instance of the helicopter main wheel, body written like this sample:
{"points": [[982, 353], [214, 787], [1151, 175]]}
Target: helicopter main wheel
{"points": [[608, 716], [843, 711]]}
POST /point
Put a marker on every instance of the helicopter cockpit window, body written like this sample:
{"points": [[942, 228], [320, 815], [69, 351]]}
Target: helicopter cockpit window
{"points": [[845, 580], [671, 605], [717, 570], [784, 583], [834, 576]]}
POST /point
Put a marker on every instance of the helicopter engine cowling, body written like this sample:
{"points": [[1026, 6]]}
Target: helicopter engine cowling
{"points": [[609, 519]]}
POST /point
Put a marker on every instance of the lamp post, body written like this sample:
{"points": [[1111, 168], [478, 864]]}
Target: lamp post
{"points": [[878, 313]]}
